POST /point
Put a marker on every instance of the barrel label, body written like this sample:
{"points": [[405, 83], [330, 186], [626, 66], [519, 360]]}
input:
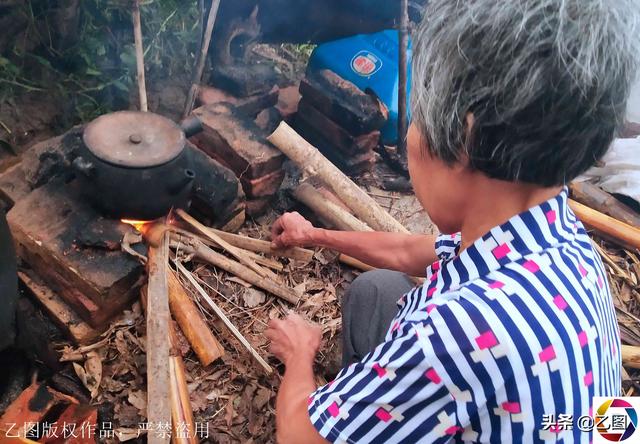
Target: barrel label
{"points": [[365, 63]]}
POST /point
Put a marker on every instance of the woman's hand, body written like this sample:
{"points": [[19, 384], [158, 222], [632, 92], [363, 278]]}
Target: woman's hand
{"points": [[291, 230], [293, 338]]}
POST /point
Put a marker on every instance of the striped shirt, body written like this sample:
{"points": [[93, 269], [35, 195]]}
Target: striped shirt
{"points": [[517, 326]]}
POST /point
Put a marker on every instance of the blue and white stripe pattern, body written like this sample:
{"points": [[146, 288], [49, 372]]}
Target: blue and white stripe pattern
{"points": [[519, 325]]}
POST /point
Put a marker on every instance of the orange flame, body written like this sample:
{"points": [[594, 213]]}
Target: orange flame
{"points": [[137, 224]]}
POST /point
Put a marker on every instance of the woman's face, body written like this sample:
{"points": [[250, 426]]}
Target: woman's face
{"points": [[438, 186]]}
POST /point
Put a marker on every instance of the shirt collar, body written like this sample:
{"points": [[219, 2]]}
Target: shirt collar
{"points": [[532, 231]]}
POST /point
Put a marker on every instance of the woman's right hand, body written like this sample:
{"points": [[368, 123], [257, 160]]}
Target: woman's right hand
{"points": [[291, 230]]}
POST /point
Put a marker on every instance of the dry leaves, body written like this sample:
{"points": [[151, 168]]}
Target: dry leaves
{"points": [[91, 373]]}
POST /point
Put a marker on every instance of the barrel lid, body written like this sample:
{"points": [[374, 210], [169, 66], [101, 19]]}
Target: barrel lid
{"points": [[134, 139]]}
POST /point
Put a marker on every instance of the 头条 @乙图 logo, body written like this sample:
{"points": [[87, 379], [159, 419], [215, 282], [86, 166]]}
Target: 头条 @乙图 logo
{"points": [[616, 419]]}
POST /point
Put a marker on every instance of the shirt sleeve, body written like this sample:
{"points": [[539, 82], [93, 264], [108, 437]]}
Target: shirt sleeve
{"points": [[447, 245], [393, 395]]}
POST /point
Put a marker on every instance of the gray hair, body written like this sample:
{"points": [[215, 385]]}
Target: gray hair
{"points": [[546, 80]]}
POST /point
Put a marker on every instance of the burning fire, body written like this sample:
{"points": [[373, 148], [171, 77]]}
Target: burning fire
{"points": [[137, 224]]}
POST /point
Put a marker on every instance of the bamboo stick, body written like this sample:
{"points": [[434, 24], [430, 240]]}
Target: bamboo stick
{"points": [[619, 231], [223, 317], [195, 329], [158, 372], [202, 57], [598, 199], [137, 35], [234, 251], [181, 410], [261, 246], [310, 160], [206, 254], [327, 210], [630, 356]]}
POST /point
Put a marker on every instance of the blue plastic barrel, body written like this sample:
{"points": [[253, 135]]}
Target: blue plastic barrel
{"points": [[370, 61]]}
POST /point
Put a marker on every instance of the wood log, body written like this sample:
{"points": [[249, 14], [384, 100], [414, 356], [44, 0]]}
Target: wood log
{"points": [[224, 318], [195, 329], [355, 263], [630, 356], [622, 233], [309, 159], [598, 199], [158, 372], [327, 210], [206, 254]]}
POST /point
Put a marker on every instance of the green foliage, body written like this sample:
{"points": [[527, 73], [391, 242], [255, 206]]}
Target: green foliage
{"points": [[92, 68]]}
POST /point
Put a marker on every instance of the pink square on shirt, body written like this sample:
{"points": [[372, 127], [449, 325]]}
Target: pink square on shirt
{"points": [[381, 371], [486, 340], [560, 302], [433, 277], [588, 378], [453, 430], [334, 410], [431, 291], [511, 407], [583, 339], [547, 354], [501, 251], [600, 281], [531, 265], [430, 307], [435, 266], [383, 415], [433, 376], [583, 271], [496, 284], [551, 216]]}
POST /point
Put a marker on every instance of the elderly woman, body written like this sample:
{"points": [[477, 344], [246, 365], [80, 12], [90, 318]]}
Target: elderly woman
{"points": [[514, 325]]}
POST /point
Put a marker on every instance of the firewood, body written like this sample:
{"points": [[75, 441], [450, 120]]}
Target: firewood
{"points": [[206, 254], [630, 356], [309, 159], [261, 246], [234, 251], [598, 199], [619, 231], [327, 210], [195, 329], [223, 317], [181, 410], [158, 372]]}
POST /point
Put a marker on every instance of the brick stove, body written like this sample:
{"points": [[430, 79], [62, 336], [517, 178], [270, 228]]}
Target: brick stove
{"points": [[71, 254]]}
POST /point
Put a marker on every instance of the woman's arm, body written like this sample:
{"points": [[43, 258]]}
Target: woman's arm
{"points": [[407, 253]]}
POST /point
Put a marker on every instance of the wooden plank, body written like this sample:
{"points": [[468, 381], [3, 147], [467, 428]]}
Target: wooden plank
{"points": [[236, 142], [158, 371], [60, 313], [47, 226]]}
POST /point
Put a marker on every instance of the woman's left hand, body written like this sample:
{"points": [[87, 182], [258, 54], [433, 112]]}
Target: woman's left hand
{"points": [[293, 338]]}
